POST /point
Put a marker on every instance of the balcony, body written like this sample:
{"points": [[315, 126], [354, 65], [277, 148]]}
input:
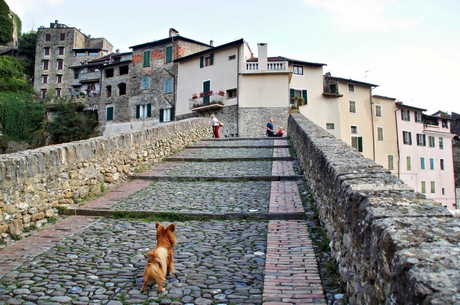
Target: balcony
{"points": [[209, 102], [90, 76], [272, 67]]}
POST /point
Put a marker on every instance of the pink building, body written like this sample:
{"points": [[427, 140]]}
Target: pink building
{"points": [[425, 153]]}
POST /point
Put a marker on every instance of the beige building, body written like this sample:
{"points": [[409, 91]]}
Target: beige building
{"points": [[60, 47]]}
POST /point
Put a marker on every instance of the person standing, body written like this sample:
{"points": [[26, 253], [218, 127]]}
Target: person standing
{"points": [[270, 128], [215, 126]]}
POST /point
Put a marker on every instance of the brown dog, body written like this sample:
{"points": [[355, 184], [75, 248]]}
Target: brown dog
{"points": [[160, 261]]}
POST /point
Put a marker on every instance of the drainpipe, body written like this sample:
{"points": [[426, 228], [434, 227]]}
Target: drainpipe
{"points": [[372, 123]]}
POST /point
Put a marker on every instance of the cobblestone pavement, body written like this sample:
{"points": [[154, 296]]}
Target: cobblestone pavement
{"points": [[88, 260]]}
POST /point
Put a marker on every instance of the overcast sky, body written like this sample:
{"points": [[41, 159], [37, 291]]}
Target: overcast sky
{"points": [[410, 48]]}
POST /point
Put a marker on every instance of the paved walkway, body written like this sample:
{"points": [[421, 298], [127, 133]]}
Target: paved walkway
{"points": [[241, 229]]}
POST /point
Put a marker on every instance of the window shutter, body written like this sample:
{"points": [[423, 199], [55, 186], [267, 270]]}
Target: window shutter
{"points": [[201, 62], [291, 93], [138, 111], [211, 58], [109, 113], [360, 144], [149, 110], [304, 95], [146, 62], [169, 53], [162, 115], [172, 113]]}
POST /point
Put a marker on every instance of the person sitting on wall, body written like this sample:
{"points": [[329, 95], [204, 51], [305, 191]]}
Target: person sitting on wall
{"points": [[280, 132], [270, 128]]}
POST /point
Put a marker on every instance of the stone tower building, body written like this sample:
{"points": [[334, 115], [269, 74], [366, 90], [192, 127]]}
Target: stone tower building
{"points": [[60, 47]]}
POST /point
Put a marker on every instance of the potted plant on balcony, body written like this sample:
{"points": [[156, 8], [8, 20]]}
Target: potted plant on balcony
{"points": [[221, 92], [210, 92], [201, 94], [194, 96]]}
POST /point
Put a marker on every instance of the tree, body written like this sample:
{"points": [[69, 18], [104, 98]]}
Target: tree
{"points": [[6, 23], [27, 45], [12, 76]]}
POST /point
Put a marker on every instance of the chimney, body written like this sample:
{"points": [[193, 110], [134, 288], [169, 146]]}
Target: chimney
{"points": [[211, 43], [173, 32], [262, 56]]}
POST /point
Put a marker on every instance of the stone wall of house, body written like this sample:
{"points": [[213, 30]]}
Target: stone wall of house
{"points": [[392, 245], [253, 121], [34, 184]]}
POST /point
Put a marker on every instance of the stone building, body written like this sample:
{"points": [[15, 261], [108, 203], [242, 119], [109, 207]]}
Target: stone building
{"points": [[60, 47]]}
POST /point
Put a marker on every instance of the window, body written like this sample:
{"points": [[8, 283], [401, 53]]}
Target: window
{"points": [[357, 143], [61, 50], [166, 114], [124, 70], [168, 85], [378, 111], [58, 92], [60, 64], [231, 93], [44, 79], [431, 163], [433, 187], [80, 53], [421, 139], [46, 51], [405, 115], [145, 82], [93, 53], [232, 57], [121, 89], [408, 163], [444, 123], [143, 111], [47, 37], [423, 187], [391, 162], [59, 79], [206, 60], [62, 37], [76, 73], [46, 64], [418, 116], [43, 93], [352, 106], [330, 126], [169, 53], [298, 70], [109, 113], [354, 129], [422, 163], [109, 73], [108, 91], [441, 164], [379, 133], [407, 138], [146, 60], [443, 191], [351, 88], [431, 141], [441, 143]]}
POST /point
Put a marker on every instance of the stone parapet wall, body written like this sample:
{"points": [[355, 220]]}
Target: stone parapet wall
{"points": [[36, 183], [392, 245]]}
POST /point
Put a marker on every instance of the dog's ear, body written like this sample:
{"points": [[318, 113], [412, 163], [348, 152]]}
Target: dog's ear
{"points": [[171, 227], [157, 225]]}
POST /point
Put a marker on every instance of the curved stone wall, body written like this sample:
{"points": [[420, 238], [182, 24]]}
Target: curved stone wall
{"points": [[35, 183], [392, 245]]}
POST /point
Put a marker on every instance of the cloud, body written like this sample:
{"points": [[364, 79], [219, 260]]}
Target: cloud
{"points": [[364, 15]]}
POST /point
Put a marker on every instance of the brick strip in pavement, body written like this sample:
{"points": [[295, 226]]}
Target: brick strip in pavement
{"points": [[26, 249]]}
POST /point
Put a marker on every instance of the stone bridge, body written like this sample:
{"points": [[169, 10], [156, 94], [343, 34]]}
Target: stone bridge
{"points": [[392, 245]]}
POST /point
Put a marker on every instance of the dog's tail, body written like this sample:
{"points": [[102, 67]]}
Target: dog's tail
{"points": [[160, 256]]}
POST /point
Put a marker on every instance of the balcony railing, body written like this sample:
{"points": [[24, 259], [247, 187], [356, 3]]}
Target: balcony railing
{"points": [[214, 101], [271, 66], [89, 76]]}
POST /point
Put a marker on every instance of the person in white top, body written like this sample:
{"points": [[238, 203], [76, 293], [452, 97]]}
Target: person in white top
{"points": [[215, 126]]}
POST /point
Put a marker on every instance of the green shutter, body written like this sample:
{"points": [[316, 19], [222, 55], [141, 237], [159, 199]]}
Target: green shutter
{"points": [[138, 111], [304, 95], [201, 62], [211, 58], [169, 53], [162, 115], [291, 94], [360, 144], [109, 113], [172, 113], [149, 110], [146, 62]]}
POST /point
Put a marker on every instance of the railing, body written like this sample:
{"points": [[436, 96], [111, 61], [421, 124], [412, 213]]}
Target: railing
{"points": [[212, 101], [90, 76], [271, 66]]}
